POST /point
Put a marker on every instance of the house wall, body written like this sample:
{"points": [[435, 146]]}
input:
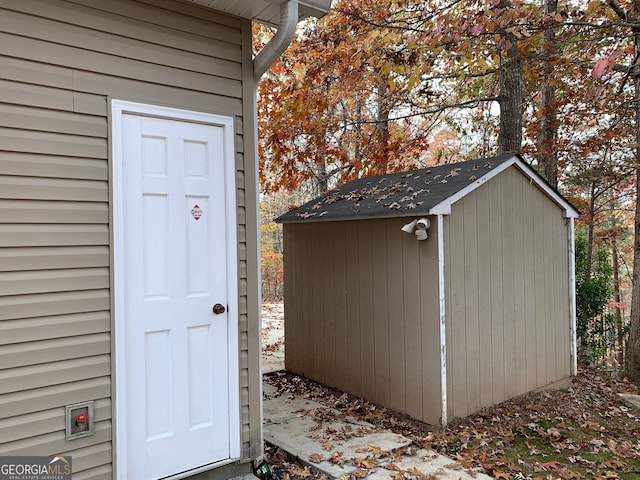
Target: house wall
{"points": [[507, 294], [361, 311], [60, 62]]}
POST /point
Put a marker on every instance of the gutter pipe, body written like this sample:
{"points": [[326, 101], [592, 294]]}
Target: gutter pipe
{"points": [[280, 41]]}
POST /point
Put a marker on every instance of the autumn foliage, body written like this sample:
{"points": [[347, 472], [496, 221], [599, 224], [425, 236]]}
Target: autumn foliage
{"points": [[374, 87], [382, 86]]}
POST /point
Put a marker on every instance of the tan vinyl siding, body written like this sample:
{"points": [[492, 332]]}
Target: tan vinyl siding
{"points": [[361, 311], [28, 164], [60, 63], [29, 401], [507, 293]]}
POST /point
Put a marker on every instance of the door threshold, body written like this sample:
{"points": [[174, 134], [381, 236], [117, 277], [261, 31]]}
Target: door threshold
{"points": [[204, 468]]}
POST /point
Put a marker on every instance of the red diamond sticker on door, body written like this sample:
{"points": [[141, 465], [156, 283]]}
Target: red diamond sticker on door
{"points": [[196, 212]]}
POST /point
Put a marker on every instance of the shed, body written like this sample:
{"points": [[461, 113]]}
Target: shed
{"points": [[129, 274], [479, 311]]}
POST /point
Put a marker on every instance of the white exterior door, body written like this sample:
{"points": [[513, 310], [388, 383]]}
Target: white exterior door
{"points": [[175, 287]]}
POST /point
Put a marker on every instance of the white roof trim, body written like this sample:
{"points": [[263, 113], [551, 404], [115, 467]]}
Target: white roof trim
{"points": [[444, 207]]}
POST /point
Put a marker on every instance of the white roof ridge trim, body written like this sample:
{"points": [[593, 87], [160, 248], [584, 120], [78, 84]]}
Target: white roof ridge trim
{"points": [[444, 207]]}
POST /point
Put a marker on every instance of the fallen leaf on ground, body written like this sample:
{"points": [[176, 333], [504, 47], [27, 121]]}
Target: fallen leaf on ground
{"points": [[551, 465], [336, 457], [315, 458], [614, 464], [367, 462], [377, 451], [540, 436], [420, 475], [303, 472]]}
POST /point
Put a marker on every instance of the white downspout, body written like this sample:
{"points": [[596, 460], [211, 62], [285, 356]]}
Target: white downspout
{"points": [[572, 297], [443, 330], [280, 41]]}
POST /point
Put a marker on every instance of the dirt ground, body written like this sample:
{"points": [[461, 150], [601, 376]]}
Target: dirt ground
{"points": [[272, 337]]}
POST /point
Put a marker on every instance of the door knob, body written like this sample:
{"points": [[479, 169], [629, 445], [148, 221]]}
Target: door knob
{"points": [[218, 309]]}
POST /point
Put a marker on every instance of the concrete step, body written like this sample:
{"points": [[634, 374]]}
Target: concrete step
{"points": [[340, 445]]}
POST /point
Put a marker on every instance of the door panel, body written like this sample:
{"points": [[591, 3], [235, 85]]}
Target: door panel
{"points": [[175, 248]]}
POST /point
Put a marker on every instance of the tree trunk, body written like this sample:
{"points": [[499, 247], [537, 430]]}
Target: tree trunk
{"points": [[511, 94], [617, 298], [383, 125], [322, 183], [547, 155], [632, 357], [591, 214]]}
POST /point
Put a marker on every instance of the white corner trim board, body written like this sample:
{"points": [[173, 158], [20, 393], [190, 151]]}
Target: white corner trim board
{"points": [[443, 319], [572, 297]]}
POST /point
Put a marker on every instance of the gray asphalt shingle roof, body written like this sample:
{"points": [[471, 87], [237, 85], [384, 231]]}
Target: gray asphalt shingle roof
{"points": [[408, 193]]}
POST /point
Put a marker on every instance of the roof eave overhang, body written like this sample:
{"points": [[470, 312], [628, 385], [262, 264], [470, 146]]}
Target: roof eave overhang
{"points": [[265, 11], [313, 8], [412, 214]]}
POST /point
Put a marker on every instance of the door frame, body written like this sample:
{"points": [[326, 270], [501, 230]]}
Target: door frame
{"points": [[118, 109]]}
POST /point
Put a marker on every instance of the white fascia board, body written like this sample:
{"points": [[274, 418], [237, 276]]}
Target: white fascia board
{"points": [[444, 207], [569, 210]]}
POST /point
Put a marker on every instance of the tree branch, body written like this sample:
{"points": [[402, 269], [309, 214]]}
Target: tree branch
{"points": [[430, 111], [620, 12]]}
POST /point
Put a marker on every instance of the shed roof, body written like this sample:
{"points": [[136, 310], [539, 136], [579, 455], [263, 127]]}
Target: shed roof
{"points": [[428, 191]]}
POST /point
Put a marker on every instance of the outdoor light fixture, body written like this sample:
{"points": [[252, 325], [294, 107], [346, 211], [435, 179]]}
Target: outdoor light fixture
{"points": [[418, 226], [408, 228]]}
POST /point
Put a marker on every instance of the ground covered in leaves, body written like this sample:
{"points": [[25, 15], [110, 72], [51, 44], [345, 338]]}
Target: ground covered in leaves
{"points": [[583, 432]]}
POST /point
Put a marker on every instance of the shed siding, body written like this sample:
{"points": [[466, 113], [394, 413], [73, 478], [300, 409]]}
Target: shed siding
{"points": [[60, 62], [507, 294], [361, 311]]}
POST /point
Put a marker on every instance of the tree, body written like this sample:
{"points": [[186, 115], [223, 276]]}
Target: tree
{"points": [[617, 301], [326, 109], [632, 359], [379, 82], [548, 129], [593, 290], [625, 23], [379, 86], [272, 243], [511, 88]]}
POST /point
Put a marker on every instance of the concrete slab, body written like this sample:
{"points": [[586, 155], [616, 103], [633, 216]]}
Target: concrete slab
{"points": [[246, 476], [340, 445], [315, 434], [631, 400], [427, 463], [282, 411]]}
